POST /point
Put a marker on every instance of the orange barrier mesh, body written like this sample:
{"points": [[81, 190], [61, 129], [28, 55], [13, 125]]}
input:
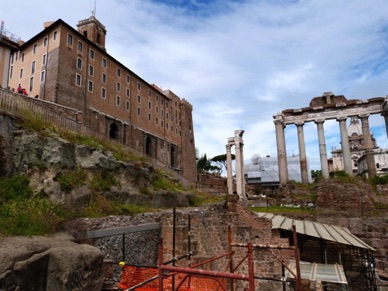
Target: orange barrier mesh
{"points": [[132, 276]]}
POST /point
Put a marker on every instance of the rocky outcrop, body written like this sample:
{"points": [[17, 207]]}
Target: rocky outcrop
{"points": [[49, 263]]}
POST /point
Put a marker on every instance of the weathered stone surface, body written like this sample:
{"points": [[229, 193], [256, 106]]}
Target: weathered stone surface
{"points": [[49, 263]]}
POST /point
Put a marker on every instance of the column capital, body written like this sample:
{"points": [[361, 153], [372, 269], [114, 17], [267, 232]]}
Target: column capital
{"points": [[365, 115], [319, 121], [341, 118], [299, 123]]}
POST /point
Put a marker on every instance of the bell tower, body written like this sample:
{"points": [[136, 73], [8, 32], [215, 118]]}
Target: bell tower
{"points": [[93, 30]]}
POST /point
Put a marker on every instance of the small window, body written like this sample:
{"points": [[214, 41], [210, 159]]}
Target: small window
{"points": [[103, 93], [138, 111], [79, 63], [157, 120], [166, 115], [138, 86], [42, 76], [10, 72], [167, 125], [44, 59], [162, 112], [104, 78], [128, 79], [118, 100], [128, 92], [118, 87], [35, 48], [22, 57], [21, 73], [157, 109], [90, 86], [16, 56], [156, 98], [69, 40], [104, 63], [127, 105], [91, 70], [45, 40], [162, 123], [138, 99], [149, 105], [149, 93], [91, 54], [78, 79], [55, 35], [149, 116], [118, 72], [33, 67], [31, 84], [80, 46], [162, 101]]}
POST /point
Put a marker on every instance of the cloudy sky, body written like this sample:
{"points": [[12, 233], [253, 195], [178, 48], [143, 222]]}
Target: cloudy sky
{"points": [[239, 62]]}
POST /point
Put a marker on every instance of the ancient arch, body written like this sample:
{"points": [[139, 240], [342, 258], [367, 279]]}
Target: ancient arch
{"points": [[114, 131]]}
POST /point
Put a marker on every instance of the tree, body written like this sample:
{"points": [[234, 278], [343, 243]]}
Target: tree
{"points": [[220, 160], [204, 165]]}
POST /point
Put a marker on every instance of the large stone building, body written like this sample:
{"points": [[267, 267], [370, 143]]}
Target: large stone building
{"points": [[72, 68], [8, 45]]}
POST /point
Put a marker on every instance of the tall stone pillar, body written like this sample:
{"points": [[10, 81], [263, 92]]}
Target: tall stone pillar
{"points": [[385, 114], [229, 173], [345, 146], [368, 145], [239, 165], [322, 148], [302, 153], [282, 155]]}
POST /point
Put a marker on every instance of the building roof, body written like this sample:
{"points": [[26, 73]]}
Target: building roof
{"points": [[327, 232]]}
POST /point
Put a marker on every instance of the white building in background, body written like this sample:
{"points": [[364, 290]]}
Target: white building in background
{"points": [[265, 170], [357, 153]]}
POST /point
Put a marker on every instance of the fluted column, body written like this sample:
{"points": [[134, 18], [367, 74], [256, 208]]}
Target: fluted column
{"points": [[322, 148], [282, 155], [302, 153], [345, 146], [368, 145], [229, 173]]}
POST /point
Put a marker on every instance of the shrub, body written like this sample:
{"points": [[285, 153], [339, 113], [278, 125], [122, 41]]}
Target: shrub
{"points": [[16, 187], [103, 182], [70, 180]]}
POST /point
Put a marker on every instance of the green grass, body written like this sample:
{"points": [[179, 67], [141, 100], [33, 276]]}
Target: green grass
{"points": [[282, 210], [72, 179]]}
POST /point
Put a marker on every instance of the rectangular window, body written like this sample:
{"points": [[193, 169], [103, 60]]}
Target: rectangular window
{"points": [[21, 73], [90, 86], [149, 93], [138, 111], [34, 49], [127, 105], [162, 101], [69, 40], [157, 120], [162, 112], [138, 99], [118, 72], [22, 57], [118, 100], [31, 84], [167, 125], [162, 123], [104, 78], [157, 109], [91, 54], [80, 46], [42, 76], [103, 93], [16, 56], [44, 59], [33, 67], [149, 105], [91, 70], [156, 98], [149, 116], [45, 41], [118, 87], [79, 63], [55, 35], [10, 72], [138, 86], [104, 63], [78, 79], [128, 79], [128, 92], [166, 115]]}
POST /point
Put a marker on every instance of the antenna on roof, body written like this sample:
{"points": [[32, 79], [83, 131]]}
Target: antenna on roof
{"points": [[94, 11]]}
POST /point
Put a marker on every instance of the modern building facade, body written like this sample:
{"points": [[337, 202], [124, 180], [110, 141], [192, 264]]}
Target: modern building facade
{"points": [[72, 68]]}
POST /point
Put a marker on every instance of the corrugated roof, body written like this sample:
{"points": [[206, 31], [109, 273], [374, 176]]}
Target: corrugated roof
{"points": [[327, 232]]}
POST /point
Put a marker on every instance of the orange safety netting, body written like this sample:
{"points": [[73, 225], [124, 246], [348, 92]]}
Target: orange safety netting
{"points": [[132, 276]]}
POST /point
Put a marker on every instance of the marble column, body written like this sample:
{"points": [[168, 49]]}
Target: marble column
{"points": [[302, 153], [345, 146], [282, 155], [229, 173], [239, 164], [368, 145], [322, 148]]}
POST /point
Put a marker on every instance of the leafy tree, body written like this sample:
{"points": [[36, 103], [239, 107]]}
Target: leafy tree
{"points": [[316, 174], [220, 160], [204, 165]]}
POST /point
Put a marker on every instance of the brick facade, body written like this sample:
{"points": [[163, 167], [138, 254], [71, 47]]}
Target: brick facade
{"points": [[71, 68]]}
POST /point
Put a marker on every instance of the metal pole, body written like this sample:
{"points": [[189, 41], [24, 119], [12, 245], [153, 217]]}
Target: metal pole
{"points": [[123, 247], [251, 268], [230, 257], [160, 264]]}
